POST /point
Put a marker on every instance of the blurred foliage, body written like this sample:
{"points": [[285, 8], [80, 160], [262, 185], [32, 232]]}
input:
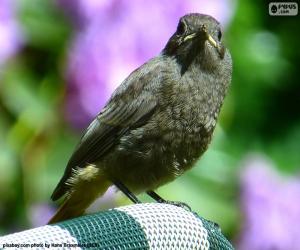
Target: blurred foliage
{"points": [[261, 114], [36, 142], [265, 87]]}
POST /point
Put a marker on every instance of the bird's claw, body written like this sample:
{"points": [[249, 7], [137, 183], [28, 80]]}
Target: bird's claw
{"points": [[178, 204]]}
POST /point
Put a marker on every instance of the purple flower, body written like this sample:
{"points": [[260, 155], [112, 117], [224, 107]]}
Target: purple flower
{"points": [[10, 35], [271, 207], [114, 38], [81, 12]]}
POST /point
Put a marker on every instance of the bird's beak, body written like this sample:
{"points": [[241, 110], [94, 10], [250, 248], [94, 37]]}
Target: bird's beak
{"points": [[212, 41], [209, 38], [190, 36]]}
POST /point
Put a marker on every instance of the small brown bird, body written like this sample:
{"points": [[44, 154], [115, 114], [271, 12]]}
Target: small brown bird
{"points": [[157, 123]]}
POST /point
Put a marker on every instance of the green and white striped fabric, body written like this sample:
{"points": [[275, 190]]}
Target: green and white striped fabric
{"points": [[139, 226]]}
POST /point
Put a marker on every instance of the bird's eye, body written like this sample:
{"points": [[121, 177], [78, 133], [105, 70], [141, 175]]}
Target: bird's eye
{"points": [[181, 28], [219, 35]]}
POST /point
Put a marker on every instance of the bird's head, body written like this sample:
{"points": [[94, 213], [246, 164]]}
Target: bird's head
{"points": [[196, 34]]}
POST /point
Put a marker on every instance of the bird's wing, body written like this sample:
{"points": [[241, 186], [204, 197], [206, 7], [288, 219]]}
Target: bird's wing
{"points": [[131, 106]]}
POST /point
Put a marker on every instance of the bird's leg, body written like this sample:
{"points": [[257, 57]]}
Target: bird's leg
{"points": [[126, 191], [156, 197], [159, 199]]}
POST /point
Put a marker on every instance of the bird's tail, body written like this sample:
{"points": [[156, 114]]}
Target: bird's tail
{"points": [[83, 194]]}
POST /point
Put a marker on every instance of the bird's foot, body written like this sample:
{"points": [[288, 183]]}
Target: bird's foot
{"points": [[159, 199], [178, 204]]}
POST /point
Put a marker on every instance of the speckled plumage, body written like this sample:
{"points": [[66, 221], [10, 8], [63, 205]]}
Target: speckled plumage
{"points": [[158, 122]]}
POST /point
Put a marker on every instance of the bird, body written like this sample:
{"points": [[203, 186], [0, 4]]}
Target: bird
{"points": [[158, 122]]}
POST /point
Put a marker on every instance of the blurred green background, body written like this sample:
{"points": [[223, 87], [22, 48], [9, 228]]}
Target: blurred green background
{"points": [[261, 114]]}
